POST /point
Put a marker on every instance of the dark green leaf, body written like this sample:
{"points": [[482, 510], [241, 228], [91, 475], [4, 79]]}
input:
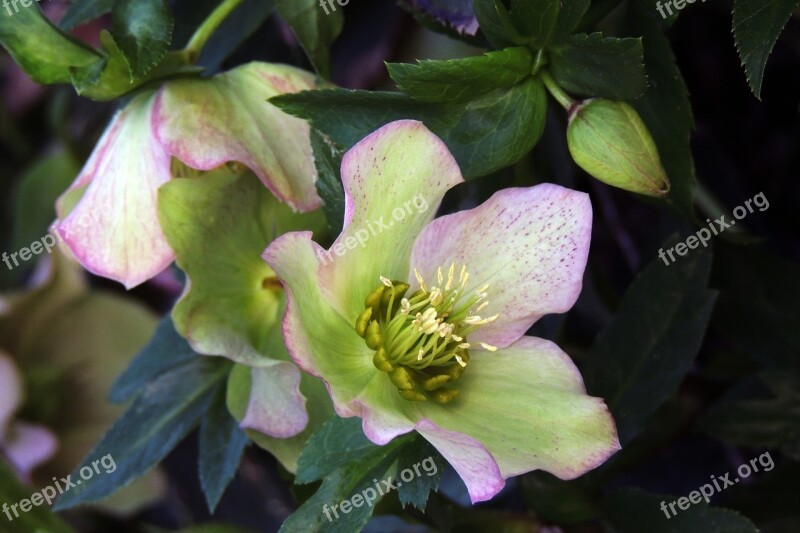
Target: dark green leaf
{"points": [[771, 499], [665, 107], [590, 65], [749, 416], [39, 519], [160, 417], [421, 458], [484, 135], [639, 360], [328, 161], [83, 11], [43, 51], [459, 80], [495, 23], [357, 482], [143, 32], [535, 19], [338, 442], [558, 501], [634, 511], [222, 444], [757, 24], [166, 351], [569, 16], [314, 28]]}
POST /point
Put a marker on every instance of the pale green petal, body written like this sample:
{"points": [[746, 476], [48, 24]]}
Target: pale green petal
{"points": [[219, 224], [528, 406], [208, 122], [394, 181], [10, 392]]}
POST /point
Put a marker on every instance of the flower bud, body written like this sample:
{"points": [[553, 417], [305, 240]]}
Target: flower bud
{"points": [[608, 140]]}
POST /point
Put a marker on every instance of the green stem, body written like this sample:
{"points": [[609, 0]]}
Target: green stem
{"points": [[195, 45], [505, 18], [557, 92]]}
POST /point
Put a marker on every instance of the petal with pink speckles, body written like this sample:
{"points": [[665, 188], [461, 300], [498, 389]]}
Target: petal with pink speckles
{"points": [[529, 245]]}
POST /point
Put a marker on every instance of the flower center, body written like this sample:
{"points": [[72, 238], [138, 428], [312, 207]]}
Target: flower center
{"points": [[420, 341]]}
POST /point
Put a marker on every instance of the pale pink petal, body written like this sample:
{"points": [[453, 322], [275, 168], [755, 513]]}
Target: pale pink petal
{"points": [[10, 392], [114, 230], [29, 446], [208, 122], [529, 245], [276, 408]]}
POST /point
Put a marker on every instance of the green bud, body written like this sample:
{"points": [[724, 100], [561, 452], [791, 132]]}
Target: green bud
{"points": [[401, 378], [374, 300], [608, 140], [444, 395], [433, 383], [412, 395]]}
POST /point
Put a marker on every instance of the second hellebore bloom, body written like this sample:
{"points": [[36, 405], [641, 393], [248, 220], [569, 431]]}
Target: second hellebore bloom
{"points": [[113, 229], [423, 328]]}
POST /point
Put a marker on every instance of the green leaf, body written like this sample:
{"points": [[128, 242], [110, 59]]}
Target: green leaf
{"points": [[42, 50], [356, 482], [338, 442], [38, 519], [219, 224], [143, 32], [315, 29], [222, 443], [535, 19], [419, 455], [569, 16], [749, 417], [665, 107], [639, 360], [634, 511], [485, 134], [460, 80], [164, 413], [590, 65], [166, 351], [36, 195], [328, 161], [495, 23], [83, 11], [757, 24]]}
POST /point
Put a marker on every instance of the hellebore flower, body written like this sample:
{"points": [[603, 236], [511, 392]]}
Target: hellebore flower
{"points": [[219, 224], [610, 141], [113, 229], [63, 345], [423, 327]]}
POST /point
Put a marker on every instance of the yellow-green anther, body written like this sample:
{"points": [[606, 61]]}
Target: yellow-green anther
{"points": [[363, 321], [401, 378], [381, 361], [444, 395], [373, 335], [610, 141], [374, 299], [435, 382], [412, 395]]}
